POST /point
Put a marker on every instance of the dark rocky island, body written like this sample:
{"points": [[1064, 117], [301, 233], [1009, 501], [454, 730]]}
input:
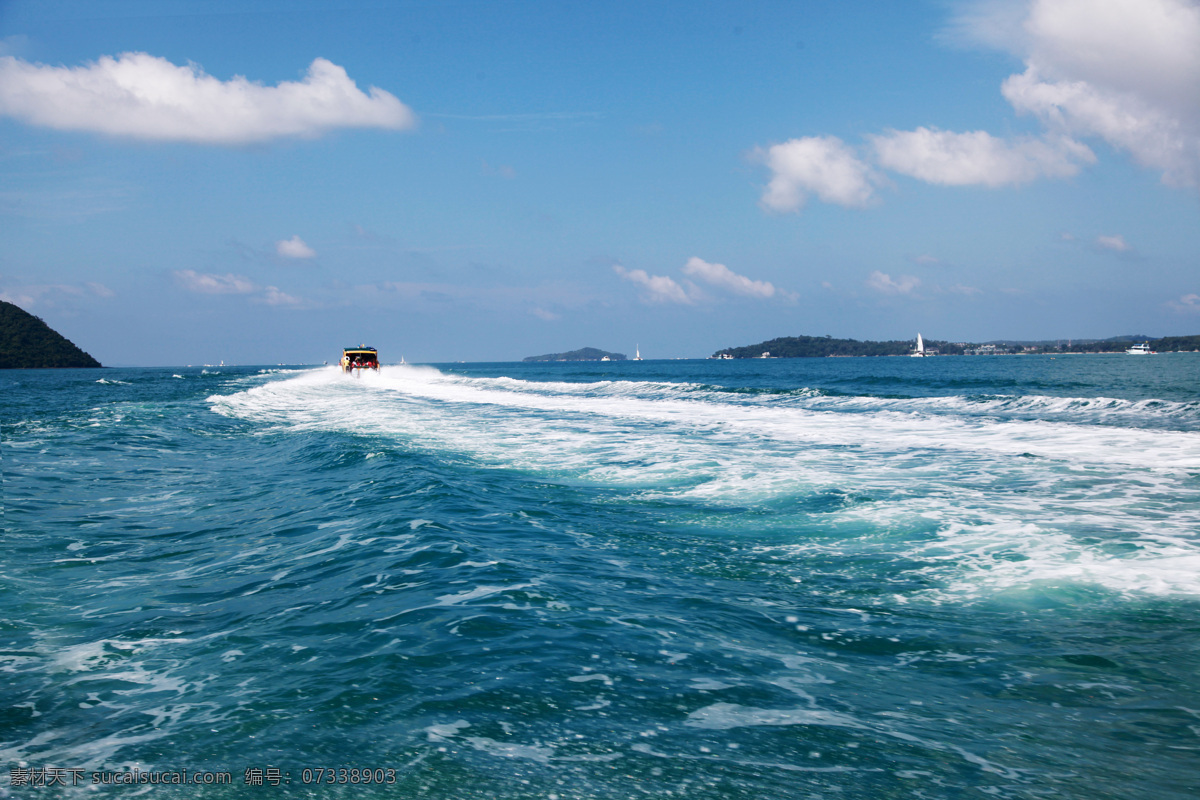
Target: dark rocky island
{"points": [[584, 354], [28, 343]]}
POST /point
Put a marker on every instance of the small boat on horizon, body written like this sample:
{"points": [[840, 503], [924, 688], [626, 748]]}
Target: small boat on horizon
{"points": [[920, 351], [1142, 349]]}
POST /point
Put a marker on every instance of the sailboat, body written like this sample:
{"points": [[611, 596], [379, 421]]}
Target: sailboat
{"points": [[637, 354], [920, 351]]}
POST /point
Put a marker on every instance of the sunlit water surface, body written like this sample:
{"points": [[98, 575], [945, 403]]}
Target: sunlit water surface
{"points": [[810, 578]]}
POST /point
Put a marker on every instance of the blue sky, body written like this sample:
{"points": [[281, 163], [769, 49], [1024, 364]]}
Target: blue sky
{"points": [[265, 182]]}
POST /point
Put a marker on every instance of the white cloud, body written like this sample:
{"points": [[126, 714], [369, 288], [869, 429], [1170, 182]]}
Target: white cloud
{"points": [[723, 277], [294, 248], [543, 314], [1125, 71], [43, 294], [1188, 303], [882, 282], [820, 165], [208, 283], [145, 97], [273, 297], [19, 299], [1117, 243], [968, 291], [977, 157], [658, 288]]}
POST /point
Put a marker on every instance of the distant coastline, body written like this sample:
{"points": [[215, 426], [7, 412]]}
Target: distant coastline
{"points": [[828, 347]]}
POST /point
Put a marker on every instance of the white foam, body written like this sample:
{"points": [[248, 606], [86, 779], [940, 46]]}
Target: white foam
{"points": [[440, 733], [103, 652], [1010, 500], [596, 677], [478, 592], [723, 716], [532, 752]]}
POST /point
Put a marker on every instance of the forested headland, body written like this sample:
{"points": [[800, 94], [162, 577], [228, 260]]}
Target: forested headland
{"points": [[26, 342]]}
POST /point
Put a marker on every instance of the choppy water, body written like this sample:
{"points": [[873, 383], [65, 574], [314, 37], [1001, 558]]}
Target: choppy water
{"points": [[834, 578]]}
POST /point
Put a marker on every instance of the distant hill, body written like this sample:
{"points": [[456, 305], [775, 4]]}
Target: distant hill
{"points": [[819, 347], [1176, 343], [28, 343], [824, 346], [585, 354]]}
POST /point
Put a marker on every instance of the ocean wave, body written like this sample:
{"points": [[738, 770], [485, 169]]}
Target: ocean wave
{"points": [[516, 588], [961, 481]]}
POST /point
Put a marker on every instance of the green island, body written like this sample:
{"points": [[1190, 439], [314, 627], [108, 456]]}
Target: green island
{"points": [[583, 354], [26, 342], [827, 346]]}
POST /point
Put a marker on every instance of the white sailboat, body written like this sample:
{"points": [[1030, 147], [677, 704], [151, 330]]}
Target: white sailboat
{"points": [[637, 354], [920, 351]]}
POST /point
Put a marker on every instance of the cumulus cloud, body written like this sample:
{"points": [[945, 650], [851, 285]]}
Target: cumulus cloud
{"points": [[882, 282], [208, 283], [1117, 243], [141, 96], [820, 165], [1125, 71], [656, 288], [294, 248], [977, 157], [723, 277]]}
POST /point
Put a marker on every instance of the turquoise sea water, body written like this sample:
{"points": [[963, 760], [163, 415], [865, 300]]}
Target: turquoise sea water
{"points": [[812, 578]]}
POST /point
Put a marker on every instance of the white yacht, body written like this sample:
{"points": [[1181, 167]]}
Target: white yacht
{"points": [[1142, 349]]}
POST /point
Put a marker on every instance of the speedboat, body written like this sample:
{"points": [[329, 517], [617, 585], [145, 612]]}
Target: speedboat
{"points": [[361, 357]]}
